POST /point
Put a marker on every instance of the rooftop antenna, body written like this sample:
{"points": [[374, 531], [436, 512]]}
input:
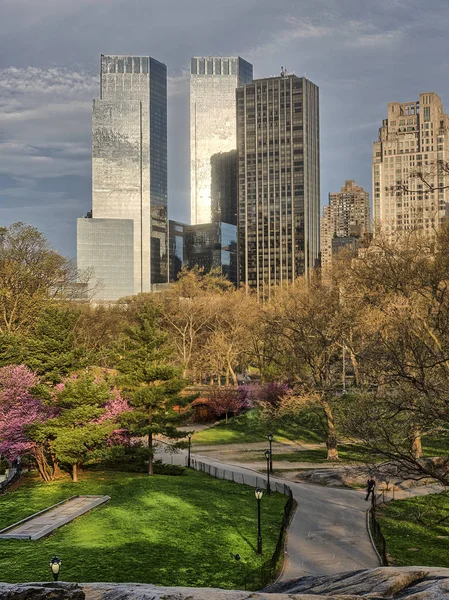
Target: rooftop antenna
{"points": [[283, 72]]}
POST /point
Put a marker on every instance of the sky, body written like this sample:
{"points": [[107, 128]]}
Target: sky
{"points": [[362, 55]]}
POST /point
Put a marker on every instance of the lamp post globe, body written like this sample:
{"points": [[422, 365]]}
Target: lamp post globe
{"points": [[55, 566]]}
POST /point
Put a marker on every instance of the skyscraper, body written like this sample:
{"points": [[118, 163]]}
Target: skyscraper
{"points": [[345, 222], [213, 81], [279, 180], [413, 139], [224, 188], [129, 176]]}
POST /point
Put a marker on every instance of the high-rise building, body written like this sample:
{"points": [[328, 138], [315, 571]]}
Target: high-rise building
{"points": [[345, 222], [213, 81], [279, 180], [129, 177], [224, 187], [176, 248], [413, 139]]}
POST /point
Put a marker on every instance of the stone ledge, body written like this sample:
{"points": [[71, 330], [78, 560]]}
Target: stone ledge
{"points": [[384, 583]]}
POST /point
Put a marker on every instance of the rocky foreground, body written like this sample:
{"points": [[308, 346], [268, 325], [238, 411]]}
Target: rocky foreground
{"points": [[386, 583]]}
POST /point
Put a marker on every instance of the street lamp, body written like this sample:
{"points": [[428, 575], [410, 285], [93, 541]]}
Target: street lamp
{"points": [[268, 457], [55, 566], [259, 493], [188, 455], [270, 439]]}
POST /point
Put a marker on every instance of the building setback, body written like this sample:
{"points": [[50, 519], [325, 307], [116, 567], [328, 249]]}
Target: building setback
{"points": [[345, 222], [129, 177], [279, 180], [414, 138], [213, 81]]}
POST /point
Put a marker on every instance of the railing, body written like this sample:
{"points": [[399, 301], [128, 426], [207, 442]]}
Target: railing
{"points": [[256, 579], [376, 532]]}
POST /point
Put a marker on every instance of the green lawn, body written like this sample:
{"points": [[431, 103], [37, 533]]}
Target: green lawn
{"points": [[163, 530], [412, 531], [346, 452], [249, 427]]}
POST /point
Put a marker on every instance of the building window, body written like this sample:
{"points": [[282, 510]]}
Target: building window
{"points": [[427, 114]]}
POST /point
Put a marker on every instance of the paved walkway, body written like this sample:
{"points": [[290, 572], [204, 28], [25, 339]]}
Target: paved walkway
{"points": [[327, 534], [43, 523]]}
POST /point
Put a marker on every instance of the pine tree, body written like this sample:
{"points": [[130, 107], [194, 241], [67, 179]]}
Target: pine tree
{"points": [[153, 382]]}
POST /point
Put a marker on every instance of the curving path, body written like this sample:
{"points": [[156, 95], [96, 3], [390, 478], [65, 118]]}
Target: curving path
{"points": [[328, 531]]}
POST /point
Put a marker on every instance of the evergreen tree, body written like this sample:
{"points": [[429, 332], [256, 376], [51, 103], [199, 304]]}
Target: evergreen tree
{"points": [[78, 427], [50, 350], [154, 383]]}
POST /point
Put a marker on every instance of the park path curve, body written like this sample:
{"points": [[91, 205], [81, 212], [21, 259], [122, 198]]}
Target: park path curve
{"points": [[328, 532]]}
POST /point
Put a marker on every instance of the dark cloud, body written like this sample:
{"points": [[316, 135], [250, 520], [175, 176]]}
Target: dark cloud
{"points": [[361, 54]]}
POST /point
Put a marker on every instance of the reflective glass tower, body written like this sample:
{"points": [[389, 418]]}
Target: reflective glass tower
{"points": [[129, 170], [279, 180], [213, 81]]}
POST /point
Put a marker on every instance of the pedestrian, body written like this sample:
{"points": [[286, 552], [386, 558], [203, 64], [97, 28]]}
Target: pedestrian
{"points": [[370, 487]]}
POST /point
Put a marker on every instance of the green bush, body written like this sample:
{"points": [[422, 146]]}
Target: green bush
{"points": [[131, 459]]}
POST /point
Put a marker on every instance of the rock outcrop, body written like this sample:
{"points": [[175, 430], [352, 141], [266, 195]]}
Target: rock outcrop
{"points": [[385, 583]]}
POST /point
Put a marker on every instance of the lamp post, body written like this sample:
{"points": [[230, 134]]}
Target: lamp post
{"points": [[268, 457], [259, 493], [55, 566], [270, 440], [188, 455]]}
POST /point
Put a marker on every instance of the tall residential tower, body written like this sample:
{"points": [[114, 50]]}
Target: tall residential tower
{"points": [[125, 240], [345, 222], [279, 180], [213, 81], [414, 139]]}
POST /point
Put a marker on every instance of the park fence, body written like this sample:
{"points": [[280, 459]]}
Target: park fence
{"points": [[268, 571], [376, 532]]}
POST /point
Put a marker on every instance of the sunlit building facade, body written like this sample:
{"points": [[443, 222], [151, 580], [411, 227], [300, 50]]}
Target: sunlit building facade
{"points": [[279, 181], [213, 81], [413, 139], [129, 169]]}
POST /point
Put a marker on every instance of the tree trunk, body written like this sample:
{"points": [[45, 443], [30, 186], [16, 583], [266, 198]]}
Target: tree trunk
{"points": [[75, 473], [416, 444], [331, 437], [226, 417], [227, 376], [233, 375]]}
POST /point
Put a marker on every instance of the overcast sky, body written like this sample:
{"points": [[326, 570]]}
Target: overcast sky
{"points": [[361, 53]]}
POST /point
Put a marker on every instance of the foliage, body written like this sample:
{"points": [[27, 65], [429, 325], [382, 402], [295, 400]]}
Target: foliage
{"points": [[164, 530], [154, 383], [30, 273], [80, 424], [19, 410], [224, 401]]}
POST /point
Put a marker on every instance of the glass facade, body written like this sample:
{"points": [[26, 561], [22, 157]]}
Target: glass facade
{"points": [[129, 159], [176, 248], [278, 180], [106, 248], [213, 81], [224, 187], [212, 245]]}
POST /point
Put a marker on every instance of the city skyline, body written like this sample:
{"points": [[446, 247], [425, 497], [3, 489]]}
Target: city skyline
{"points": [[362, 58]]}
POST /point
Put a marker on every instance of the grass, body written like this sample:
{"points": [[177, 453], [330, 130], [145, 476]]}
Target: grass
{"points": [[351, 453], [249, 427], [412, 531], [163, 530]]}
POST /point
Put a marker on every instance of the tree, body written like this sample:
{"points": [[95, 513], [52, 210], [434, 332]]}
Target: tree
{"points": [[147, 373], [50, 348], [20, 409], [30, 273], [304, 320], [77, 428], [225, 400]]}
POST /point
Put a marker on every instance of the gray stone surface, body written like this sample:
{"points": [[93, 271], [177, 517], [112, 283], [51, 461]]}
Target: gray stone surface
{"points": [[384, 583], [43, 523]]}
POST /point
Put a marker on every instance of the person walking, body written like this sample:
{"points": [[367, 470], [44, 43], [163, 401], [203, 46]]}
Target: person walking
{"points": [[370, 487]]}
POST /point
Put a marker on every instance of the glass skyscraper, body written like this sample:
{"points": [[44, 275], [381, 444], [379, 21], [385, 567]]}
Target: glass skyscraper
{"points": [[213, 81], [279, 180], [129, 170]]}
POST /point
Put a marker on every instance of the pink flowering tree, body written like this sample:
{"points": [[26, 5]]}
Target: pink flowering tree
{"points": [[20, 409]]}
